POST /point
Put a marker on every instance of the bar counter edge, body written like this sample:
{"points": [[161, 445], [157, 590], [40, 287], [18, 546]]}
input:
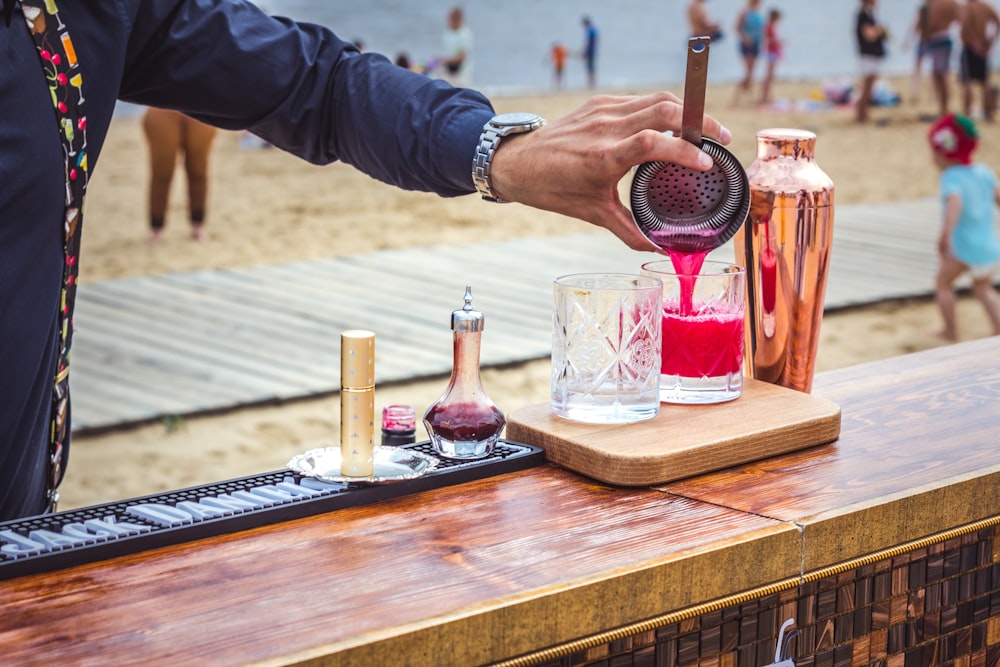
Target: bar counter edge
{"points": [[547, 567]]}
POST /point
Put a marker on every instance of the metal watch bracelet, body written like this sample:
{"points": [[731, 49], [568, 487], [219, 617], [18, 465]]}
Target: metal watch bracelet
{"points": [[482, 167], [494, 131]]}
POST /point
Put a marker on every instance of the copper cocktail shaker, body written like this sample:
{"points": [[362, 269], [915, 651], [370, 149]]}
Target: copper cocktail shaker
{"points": [[786, 248]]}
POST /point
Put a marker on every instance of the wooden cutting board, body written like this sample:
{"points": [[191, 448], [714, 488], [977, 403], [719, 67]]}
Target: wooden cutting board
{"points": [[682, 440]]}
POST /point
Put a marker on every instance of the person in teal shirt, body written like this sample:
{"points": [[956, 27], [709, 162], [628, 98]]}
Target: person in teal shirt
{"points": [[968, 241], [750, 29]]}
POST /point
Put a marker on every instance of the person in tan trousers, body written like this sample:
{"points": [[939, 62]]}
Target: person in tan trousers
{"points": [[170, 133]]}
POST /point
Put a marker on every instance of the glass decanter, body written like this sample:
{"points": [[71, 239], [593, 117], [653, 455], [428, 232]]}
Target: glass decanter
{"points": [[464, 423]]}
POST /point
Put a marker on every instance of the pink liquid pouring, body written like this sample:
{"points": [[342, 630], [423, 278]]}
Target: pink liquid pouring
{"points": [[698, 345], [687, 266]]}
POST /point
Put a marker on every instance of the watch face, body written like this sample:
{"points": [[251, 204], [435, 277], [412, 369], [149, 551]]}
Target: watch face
{"points": [[515, 118]]}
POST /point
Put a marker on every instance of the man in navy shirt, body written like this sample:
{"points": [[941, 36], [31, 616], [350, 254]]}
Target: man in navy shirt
{"points": [[301, 88]]}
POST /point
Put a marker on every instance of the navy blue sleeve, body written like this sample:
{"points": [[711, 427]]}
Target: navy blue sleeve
{"points": [[304, 89]]}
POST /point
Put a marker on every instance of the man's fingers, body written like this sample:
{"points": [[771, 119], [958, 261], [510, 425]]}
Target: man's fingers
{"points": [[652, 146], [659, 112]]}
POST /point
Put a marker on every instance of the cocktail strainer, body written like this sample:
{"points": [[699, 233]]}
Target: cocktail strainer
{"points": [[681, 209]]}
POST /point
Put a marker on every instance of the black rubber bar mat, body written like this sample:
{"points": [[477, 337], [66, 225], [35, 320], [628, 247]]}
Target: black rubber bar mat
{"points": [[89, 534]]}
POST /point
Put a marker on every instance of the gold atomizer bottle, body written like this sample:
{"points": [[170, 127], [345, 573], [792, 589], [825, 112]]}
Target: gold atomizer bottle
{"points": [[357, 402]]}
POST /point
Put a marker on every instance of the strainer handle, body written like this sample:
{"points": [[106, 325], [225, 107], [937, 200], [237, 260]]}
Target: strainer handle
{"points": [[695, 81]]}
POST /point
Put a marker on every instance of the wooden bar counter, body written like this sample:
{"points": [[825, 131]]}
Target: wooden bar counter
{"points": [[882, 547]]}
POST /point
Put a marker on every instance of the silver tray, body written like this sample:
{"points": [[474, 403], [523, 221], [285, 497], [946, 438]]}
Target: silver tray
{"points": [[391, 464]]}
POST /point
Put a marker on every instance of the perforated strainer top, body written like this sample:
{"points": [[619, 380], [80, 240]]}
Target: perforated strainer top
{"points": [[685, 210]]}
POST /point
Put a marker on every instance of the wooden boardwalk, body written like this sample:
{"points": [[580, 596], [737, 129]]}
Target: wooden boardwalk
{"points": [[190, 343]]}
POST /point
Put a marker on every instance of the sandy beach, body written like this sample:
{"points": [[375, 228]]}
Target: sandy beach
{"points": [[266, 206]]}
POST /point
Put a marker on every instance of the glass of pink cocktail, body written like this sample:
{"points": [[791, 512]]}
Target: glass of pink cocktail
{"points": [[702, 359]]}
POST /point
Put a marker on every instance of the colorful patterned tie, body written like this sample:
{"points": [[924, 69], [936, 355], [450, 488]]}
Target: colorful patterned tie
{"points": [[65, 79]]}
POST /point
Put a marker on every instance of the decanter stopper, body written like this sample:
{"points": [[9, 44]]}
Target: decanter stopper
{"points": [[467, 318]]}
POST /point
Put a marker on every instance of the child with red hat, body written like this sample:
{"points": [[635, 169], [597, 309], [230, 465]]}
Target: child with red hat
{"points": [[968, 241]]}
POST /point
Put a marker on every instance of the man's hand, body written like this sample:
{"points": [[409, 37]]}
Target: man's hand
{"points": [[573, 165]]}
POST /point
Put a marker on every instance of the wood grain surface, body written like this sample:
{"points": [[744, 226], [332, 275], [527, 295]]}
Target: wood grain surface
{"points": [[477, 572], [682, 440], [458, 576], [919, 448]]}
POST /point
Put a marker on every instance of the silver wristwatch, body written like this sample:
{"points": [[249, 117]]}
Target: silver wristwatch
{"points": [[496, 129]]}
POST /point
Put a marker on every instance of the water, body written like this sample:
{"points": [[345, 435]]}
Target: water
{"points": [[642, 42]]}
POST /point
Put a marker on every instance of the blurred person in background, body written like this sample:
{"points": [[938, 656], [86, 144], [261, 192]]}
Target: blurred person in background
{"points": [[942, 16], [871, 37], [750, 31], [558, 54], [170, 134], [699, 23], [773, 51], [457, 44], [590, 51], [980, 27], [968, 241]]}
